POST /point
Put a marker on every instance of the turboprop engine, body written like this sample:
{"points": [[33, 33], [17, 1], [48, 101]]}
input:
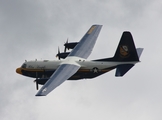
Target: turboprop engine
{"points": [[69, 45]]}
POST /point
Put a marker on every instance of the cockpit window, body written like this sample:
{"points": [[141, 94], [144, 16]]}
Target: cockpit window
{"points": [[23, 66]]}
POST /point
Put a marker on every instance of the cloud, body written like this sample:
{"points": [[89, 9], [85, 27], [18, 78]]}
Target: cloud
{"points": [[35, 29]]}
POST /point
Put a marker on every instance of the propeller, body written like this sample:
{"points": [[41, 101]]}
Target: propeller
{"points": [[58, 54], [37, 87], [36, 81], [65, 45]]}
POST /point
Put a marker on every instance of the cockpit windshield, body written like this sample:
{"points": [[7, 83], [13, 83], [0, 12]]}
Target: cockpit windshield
{"points": [[24, 65]]}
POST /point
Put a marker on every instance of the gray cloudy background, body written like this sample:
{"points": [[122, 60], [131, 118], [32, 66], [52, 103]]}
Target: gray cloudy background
{"points": [[34, 29]]}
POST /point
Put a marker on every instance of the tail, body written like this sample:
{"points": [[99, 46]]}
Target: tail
{"points": [[126, 52]]}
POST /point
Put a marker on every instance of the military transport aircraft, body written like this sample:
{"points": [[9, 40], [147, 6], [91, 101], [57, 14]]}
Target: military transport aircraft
{"points": [[74, 65]]}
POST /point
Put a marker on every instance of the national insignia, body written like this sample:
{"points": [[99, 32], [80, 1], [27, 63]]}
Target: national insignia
{"points": [[124, 51]]}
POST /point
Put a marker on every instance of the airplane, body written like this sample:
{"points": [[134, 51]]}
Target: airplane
{"points": [[75, 66]]}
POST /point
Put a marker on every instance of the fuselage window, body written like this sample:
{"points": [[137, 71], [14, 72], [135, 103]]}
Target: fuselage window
{"points": [[23, 66]]}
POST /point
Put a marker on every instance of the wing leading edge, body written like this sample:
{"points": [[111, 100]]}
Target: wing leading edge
{"points": [[65, 71]]}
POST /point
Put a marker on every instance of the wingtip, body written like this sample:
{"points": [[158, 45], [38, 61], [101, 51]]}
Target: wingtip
{"points": [[38, 95], [97, 25]]}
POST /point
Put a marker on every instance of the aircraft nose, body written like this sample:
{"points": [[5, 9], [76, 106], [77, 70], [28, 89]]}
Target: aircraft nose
{"points": [[18, 70]]}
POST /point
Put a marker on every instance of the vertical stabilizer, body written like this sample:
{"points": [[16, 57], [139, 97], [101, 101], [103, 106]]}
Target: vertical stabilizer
{"points": [[126, 50]]}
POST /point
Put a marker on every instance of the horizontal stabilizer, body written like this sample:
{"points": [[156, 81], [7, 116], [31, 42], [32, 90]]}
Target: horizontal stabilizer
{"points": [[139, 51], [122, 69]]}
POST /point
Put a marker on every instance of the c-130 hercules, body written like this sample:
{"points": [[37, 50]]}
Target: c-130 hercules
{"points": [[74, 65]]}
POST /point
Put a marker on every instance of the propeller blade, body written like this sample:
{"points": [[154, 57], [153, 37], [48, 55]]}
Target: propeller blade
{"points": [[36, 82], [58, 53], [37, 87], [67, 40], [65, 49], [58, 50], [65, 45]]}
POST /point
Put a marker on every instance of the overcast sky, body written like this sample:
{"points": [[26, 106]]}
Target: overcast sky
{"points": [[34, 29]]}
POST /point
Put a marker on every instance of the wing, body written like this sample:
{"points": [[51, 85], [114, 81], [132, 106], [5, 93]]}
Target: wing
{"points": [[84, 47], [66, 70], [62, 73]]}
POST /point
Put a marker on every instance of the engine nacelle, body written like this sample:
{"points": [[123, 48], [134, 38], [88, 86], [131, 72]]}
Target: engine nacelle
{"points": [[70, 45], [41, 81], [62, 55]]}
